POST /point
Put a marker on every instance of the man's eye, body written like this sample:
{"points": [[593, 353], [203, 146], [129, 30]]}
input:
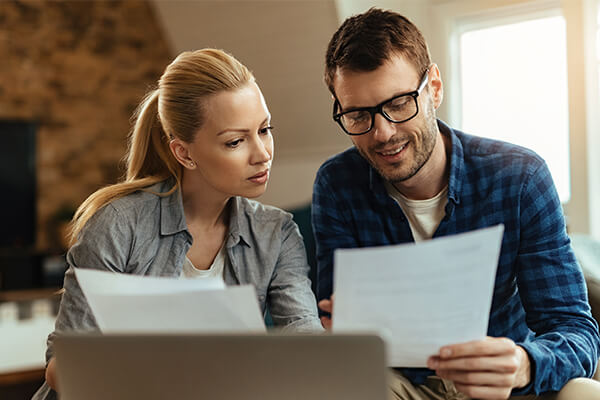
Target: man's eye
{"points": [[397, 104], [358, 116]]}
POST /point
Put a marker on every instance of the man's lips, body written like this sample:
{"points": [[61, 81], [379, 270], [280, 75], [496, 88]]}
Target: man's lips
{"points": [[391, 153]]}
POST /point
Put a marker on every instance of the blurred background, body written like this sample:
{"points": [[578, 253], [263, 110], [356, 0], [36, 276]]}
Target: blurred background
{"points": [[72, 73]]}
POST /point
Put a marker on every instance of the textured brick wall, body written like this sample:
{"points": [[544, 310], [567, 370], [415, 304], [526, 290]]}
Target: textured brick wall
{"points": [[78, 68]]}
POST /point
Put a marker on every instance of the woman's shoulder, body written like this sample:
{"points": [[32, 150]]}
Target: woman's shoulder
{"points": [[258, 211], [267, 228], [142, 200], [141, 204]]}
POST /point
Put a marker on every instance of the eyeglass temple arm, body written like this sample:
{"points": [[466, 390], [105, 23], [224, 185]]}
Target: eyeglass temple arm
{"points": [[424, 81]]}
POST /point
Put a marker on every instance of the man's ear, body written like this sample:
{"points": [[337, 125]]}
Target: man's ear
{"points": [[436, 85], [180, 151]]}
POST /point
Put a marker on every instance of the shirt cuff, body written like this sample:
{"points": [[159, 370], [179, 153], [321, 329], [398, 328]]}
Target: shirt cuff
{"points": [[535, 355]]}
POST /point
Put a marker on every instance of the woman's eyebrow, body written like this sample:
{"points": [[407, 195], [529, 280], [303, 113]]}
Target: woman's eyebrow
{"points": [[243, 130]]}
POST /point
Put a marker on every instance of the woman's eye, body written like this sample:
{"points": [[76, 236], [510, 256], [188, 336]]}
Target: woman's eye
{"points": [[234, 143], [266, 129]]}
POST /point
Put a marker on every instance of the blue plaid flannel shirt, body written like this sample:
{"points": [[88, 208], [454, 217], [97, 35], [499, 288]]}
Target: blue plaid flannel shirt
{"points": [[540, 297]]}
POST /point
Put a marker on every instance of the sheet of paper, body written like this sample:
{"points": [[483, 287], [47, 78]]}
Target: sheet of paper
{"points": [[123, 303], [103, 282], [419, 296]]}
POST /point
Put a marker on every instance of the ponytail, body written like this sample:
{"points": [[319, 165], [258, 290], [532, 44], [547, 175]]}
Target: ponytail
{"points": [[149, 161], [174, 110]]}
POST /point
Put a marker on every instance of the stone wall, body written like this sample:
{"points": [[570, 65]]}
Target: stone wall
{"points": [[79, 69]]}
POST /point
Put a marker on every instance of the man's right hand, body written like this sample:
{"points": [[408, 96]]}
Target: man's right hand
{"points": [[327, 306]]}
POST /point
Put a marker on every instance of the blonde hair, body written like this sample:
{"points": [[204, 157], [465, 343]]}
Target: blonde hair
{"points": [[173, 110]]}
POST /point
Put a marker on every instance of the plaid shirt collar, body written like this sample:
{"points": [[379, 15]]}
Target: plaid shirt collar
{"points": [[457, 168]]}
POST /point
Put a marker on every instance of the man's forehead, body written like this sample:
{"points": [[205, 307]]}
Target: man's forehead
{"points": [[355, 88]]}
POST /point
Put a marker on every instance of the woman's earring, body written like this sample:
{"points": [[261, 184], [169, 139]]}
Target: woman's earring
{"points": [[192, 164]]}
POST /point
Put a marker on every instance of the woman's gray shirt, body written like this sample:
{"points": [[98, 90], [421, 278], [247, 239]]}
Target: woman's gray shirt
{"points": [[146, 234]]}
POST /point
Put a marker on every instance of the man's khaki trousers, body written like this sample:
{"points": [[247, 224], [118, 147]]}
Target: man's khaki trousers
{"points": [[440, 389]]}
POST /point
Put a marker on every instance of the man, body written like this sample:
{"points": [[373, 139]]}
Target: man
{"points": [[411, 177]]}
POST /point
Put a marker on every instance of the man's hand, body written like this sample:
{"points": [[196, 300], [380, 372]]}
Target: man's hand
{"points": [[484, 369], [327, 306]]}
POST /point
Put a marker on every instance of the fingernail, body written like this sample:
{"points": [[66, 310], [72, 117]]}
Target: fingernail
{"points": [[446, 352]]}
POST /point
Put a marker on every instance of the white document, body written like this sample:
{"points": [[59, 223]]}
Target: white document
{"points": [[123, 303], [418, 296]]}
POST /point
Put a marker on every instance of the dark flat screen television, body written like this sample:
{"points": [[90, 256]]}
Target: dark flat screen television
{"points": [[18, 183]]}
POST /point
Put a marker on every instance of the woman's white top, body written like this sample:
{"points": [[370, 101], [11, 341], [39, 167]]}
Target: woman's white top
{"points": [[189, 271]]}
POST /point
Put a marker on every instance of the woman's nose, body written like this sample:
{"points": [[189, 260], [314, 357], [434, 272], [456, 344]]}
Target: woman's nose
{"points": [[263, 150]]}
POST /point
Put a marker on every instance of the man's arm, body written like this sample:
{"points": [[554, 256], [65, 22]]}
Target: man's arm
{"points": [[553, 292], [331, 230]]}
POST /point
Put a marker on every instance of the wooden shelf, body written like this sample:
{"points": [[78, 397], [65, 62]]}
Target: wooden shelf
{"points": [[30, 294], [15, 378]]}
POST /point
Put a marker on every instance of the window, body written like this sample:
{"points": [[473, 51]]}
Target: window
{"points": [[598, 45], [514, 88]]}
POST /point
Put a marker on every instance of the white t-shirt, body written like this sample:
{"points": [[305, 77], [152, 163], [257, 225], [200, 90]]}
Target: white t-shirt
{"points": [[215, 270], [424, 216]]}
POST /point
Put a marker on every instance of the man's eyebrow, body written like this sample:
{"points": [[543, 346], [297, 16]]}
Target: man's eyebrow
{"points": [[243, 130], [398, 94]]}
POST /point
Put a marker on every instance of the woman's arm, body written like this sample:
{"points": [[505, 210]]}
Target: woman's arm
{"points": [[103, 244], [291, 301]]}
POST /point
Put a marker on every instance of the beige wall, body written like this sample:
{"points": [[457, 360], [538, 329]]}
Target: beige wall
{"points": [[283, 43]]}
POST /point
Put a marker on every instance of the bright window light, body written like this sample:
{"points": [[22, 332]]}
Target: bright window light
{"points": [[598, 44], [514, 88]]}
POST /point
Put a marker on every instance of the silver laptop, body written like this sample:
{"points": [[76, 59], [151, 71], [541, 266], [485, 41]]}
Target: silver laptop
{"points": [[228, 367]]}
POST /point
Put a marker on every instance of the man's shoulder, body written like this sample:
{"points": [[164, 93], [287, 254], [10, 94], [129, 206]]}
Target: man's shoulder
{"points": [[482, 152], [348, 165]]}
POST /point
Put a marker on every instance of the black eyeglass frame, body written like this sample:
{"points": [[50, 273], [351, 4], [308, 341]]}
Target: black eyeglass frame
{"points": [[337, 117]]}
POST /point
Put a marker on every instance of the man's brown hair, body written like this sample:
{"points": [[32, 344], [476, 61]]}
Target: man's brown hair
{"points": [[365, 41]]}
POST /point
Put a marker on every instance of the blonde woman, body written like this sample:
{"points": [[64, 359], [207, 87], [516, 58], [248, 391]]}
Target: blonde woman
{"points": [[201, 146]]}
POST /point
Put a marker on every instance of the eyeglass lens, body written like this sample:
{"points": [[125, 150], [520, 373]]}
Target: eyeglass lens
{"points": [[397, 109]]}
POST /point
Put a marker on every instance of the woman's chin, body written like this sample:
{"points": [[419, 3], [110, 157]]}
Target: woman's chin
{"points": [[254, 193]]}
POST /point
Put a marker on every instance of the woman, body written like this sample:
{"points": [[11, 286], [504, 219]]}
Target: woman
{"points": [[201, 146]]}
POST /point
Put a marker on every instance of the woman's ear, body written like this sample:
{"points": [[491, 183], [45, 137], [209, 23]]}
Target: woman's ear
{"points": [[180, 151]]}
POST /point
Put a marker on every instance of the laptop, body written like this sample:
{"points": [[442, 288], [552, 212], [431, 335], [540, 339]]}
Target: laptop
{"points": [[229, 367]]}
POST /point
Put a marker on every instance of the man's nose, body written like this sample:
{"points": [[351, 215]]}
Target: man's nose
{"points": [[383, 129]]}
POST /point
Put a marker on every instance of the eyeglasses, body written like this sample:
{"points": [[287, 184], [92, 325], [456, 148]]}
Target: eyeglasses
{"points": [[398, 109]]}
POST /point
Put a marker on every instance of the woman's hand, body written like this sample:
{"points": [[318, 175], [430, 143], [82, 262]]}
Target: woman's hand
{"points": [[327, 306], [51, 374]]}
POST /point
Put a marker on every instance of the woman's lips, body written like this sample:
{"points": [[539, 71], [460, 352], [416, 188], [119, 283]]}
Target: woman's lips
{"points": [[260, 178]]}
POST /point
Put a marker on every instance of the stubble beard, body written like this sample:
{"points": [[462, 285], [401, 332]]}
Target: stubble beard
{"points": [[421, 155]]}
